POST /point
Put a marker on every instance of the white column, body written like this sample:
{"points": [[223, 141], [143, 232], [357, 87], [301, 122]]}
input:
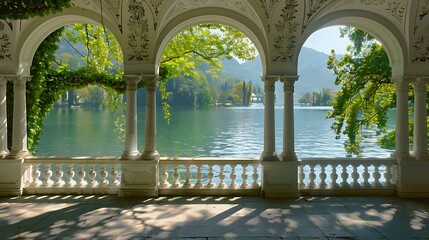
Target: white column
{"points": [[288, 119], [269, 153], [3, 117], [150, 152], [401, 136], [131, 151], [420, 151]]}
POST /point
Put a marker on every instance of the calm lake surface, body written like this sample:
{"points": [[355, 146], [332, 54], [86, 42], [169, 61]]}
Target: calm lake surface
{"points": [[215, 132]]}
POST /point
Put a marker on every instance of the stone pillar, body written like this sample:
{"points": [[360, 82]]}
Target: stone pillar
{"points": [[140, 178], [288, 119], [150, 152], [11, 168], [401, 137], [19, 128], [420, 151], [269, 153], [3, 117], [131, 152]]}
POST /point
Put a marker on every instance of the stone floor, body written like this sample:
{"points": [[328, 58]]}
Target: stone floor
{"points": [[107, 217]]}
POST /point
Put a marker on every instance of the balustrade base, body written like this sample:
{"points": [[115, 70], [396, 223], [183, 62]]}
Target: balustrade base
{"points": [[279, 179], [210, 192], [413, 179], [11, 175], [139, 178], [382, 191]]}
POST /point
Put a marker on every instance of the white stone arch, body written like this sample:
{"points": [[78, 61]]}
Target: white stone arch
{"points": [[383, 30], [37, 30], [205, 15]]}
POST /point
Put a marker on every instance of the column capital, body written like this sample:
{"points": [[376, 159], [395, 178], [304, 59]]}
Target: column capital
{"points": [[132, 81], [269, 82], [403, 79], [150, 81], [289, 83], [19, 81]]}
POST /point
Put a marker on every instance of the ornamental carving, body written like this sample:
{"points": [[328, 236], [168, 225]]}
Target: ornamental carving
{"points": [[115, 7], [186, 5], [267, 7], [285, 41], [138, 36], [397, 9], [423, 10], [155, 5], [421, 50], [269, 83], [312, 8], [4, 47]]}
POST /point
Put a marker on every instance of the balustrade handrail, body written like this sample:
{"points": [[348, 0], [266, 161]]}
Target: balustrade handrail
{"points": [[207, 160], [342, 161], [54, 159]]}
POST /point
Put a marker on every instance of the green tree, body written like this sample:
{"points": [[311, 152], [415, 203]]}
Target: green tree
{"points": [[367, 92]]}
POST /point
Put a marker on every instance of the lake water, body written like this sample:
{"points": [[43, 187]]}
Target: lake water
{"points": [[215, 132]]}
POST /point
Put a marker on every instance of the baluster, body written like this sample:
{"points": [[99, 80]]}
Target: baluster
{"points": [[376, 175], [255, 175], [114, 175], [355, 176], [345, 176], [47, 174], [164, 176], [81, 176], [221, 176], [199, 175], [244, 176], [210, 176], [103, 176], [301, 176], [312, 176], [322, 176], [388, 176], [366, 176], [334, 177], [35, 174], [175, 177], [232, 176], [91, 176], [69, 175], [58, 175], [187, 183]]}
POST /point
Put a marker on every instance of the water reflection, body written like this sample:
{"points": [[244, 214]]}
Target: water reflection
{"points": [[216, 132]]}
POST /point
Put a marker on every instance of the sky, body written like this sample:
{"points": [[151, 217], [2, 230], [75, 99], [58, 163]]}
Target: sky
{"points": [[326, 39]]}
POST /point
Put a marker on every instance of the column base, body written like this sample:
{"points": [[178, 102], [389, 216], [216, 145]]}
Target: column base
{"points": [[150, 156], [130, 155], [288, 156], [4, 154], [420, 156], [11, 175], [401, 156], [280, 179], [412, 179], [139, 178], [269, 156], [19, 154]]}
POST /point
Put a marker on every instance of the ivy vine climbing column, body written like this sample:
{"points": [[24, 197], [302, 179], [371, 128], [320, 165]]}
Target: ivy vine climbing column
{"points": [[269, 153], [150, 152], [288, 119], [3, 117], [19, 128], [131, 151]]}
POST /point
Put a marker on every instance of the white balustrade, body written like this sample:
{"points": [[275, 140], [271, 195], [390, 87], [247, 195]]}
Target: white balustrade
{"points": [[346, 175], [71, 175], [209, 176]]}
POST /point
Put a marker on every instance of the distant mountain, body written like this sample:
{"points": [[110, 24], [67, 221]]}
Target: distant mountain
{"points": [[312, 69]]}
